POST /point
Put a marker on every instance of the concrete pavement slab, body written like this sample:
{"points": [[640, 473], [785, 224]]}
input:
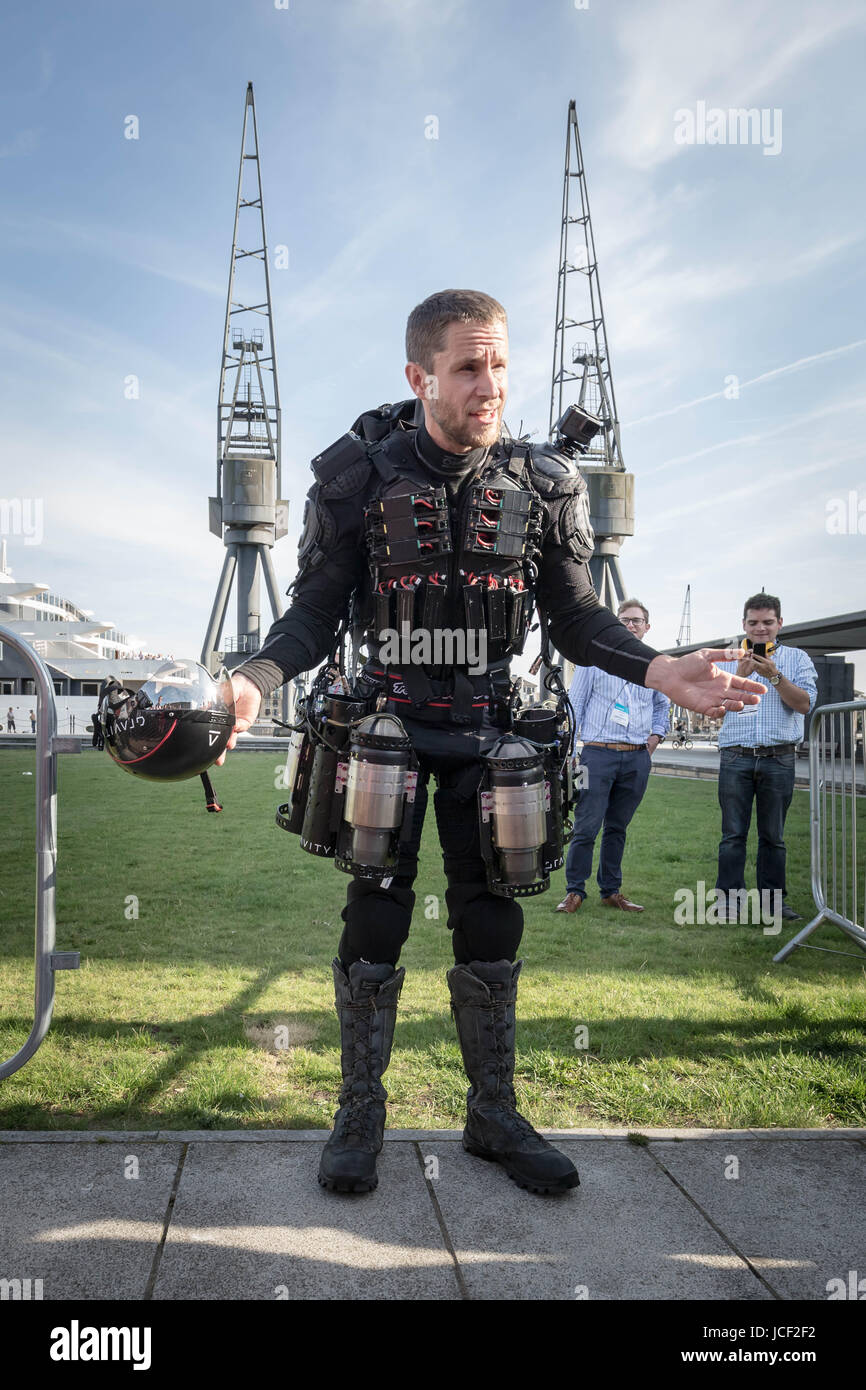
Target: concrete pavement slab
{"points": [[251, 1222], [795, 1209], [824, 1135], [83, 1217], [625, 1233], [653, 1220]]}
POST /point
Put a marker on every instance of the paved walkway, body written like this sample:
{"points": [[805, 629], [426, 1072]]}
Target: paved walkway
{"points": [[703, 761], [754, 1215]]}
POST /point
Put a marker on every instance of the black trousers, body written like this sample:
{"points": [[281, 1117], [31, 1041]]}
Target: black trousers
{"points": [[483, 925]]}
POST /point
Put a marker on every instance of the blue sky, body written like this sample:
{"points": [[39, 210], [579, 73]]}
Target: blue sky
{"points": [[716, 261]]}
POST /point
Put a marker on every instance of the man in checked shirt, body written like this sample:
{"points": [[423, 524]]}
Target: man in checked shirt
{"points": [[757, 757], [621, 725]]}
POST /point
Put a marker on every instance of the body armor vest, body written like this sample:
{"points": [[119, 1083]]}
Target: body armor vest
{"points": [[468, 568], [436, 566]]}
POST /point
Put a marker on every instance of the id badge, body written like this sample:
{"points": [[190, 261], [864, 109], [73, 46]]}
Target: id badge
{"points": [[620, 714]]}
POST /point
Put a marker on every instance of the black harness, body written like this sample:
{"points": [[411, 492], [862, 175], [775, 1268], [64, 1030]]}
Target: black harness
{"points": [[469, 570]]}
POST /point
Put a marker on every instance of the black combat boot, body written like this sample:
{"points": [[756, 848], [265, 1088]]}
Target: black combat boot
{"points": [[366, 1003], [483, 998]]}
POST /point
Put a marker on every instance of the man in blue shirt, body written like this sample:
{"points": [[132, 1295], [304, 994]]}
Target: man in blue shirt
{"points": [[621, 725], [757, 756]]}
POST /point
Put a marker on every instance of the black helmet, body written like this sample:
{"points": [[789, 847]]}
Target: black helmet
{"points": [[174, 727]]}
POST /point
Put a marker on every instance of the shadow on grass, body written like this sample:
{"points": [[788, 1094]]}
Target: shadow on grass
{"points": [[793, 1031], [186, 1050]]}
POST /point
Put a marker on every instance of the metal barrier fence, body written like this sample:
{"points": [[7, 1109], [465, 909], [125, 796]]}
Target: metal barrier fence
{"points": [[837, 798], [48, 745]]}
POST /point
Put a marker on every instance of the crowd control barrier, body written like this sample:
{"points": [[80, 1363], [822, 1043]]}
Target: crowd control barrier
{"points": [[837, 813], [48, 745]]}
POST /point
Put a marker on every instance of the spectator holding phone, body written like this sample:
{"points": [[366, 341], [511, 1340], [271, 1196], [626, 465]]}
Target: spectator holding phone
{"points": [[757, 749]]}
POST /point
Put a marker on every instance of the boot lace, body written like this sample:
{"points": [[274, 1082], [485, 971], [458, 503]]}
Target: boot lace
{"points": [[360, 1114], [359, 1119], [495, 1016]]}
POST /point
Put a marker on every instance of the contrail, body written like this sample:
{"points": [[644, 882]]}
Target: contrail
{"points": [[836, 408], [765, 376]]}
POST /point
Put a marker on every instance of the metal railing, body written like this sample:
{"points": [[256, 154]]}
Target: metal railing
{"points": [[247, 642], [68, 723], [837, 799], [48, 745]]}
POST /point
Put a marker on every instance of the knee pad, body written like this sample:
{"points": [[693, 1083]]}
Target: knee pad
{"points": [[377, 922], [484, 926]]}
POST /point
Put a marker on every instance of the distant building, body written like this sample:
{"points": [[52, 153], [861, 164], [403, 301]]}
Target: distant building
{"points": [[78, 650], [80, 653], [526, 689]]}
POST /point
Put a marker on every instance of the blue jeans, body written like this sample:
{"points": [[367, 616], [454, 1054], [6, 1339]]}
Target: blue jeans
{"points": [[769, 781], [616, 782]]}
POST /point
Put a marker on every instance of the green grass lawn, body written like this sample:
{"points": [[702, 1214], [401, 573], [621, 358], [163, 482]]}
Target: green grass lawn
{"points": [[213, 1008]]}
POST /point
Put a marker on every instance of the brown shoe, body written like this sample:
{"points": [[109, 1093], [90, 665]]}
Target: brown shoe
{"points": [[570, 903], [620, 900]]}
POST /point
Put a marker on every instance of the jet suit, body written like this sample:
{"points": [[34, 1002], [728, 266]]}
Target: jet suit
{"points": [[399, 532]]}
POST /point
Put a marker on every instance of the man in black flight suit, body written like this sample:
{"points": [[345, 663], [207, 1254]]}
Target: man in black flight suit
{"points": [[455, 461]]}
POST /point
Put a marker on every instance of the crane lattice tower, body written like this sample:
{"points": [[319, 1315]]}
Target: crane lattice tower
{"points": [[247, 510], [611, 488], [684, 637]]}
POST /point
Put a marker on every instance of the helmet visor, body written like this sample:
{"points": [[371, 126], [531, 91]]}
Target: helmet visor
{"points": [[184, 686]]}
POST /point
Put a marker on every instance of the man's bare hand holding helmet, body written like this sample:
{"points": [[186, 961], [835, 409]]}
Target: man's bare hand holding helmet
{"points": [[248, 701]]}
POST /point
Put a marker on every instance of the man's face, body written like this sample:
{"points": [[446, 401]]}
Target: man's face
{"points": [[761, 624], [465, 394], [634, 620]]}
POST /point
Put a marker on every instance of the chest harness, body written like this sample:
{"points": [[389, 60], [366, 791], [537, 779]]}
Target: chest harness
{"points": [[458, 576]]}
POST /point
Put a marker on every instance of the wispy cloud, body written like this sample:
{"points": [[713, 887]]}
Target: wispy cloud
{"points": [[798, 366], [731, 52], [708, 499], [649, 294], [345, 279], [727, 446], [145, 252]]}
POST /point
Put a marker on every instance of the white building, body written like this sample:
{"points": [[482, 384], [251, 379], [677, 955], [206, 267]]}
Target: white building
{"points": [[79, 650]]}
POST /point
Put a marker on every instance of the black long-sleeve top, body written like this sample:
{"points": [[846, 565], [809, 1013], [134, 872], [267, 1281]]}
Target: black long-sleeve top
{"points": [[580, 627]]}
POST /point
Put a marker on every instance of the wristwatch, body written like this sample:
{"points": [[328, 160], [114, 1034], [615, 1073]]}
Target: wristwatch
{"points": [[774, 680], [660, 737]]}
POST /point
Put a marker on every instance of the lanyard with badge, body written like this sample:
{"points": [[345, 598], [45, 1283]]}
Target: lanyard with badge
{"points": [[619, 713]]}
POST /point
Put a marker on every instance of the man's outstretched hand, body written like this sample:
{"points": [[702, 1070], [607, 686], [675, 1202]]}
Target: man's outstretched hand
{"points": [[248, 701], [695, 683]]}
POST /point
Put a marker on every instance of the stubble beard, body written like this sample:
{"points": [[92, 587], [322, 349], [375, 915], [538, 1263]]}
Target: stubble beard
{"points": [[463, 431]]}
